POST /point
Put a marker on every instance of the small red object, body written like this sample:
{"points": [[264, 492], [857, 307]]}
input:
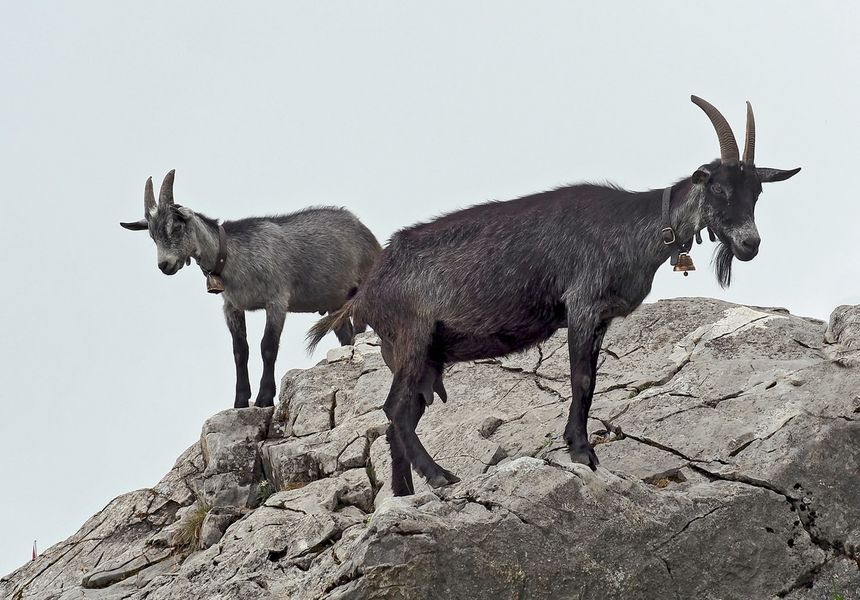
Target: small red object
{"points": [[34, 549]]}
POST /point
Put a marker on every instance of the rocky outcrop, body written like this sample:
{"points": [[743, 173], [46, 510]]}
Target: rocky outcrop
{"points": [[729, 441]]}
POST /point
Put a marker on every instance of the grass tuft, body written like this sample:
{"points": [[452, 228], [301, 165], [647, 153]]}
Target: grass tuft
{"points": [[837, 595], [187, 537]]}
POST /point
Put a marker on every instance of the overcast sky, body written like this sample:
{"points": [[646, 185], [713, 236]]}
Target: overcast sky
{"points": [[397, 110]]}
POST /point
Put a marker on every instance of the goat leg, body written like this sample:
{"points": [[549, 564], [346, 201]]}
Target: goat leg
{"points": [[584, 347], [358, 326], [406, 421], [236, 324], [411, 386], [401, 468], [344, 333], [269, 348]]}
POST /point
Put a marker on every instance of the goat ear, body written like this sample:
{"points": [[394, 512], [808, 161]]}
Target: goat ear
{"points": [[183, 212], [701, 175], [136, 225], [766, 175]]}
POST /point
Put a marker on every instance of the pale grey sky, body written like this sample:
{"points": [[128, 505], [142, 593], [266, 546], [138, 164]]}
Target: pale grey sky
{"points": [[398, 110]]}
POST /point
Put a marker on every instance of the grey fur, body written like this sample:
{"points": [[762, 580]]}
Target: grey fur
{"points": [[312, 260]]}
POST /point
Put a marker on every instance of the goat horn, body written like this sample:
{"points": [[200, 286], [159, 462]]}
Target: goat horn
{"points": [[148, 198], [749, 146], [166, 194], [728, 145]]}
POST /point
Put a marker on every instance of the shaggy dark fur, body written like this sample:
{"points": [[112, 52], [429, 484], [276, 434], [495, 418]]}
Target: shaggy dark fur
{"points": [[501, 277]]}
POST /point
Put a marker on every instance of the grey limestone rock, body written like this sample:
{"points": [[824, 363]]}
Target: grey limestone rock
{"points": [[729, 441], [230, 446]]}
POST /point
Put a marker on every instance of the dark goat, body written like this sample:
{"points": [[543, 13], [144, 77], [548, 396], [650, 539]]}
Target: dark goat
{"points": [[500, 277], [312, 260]]}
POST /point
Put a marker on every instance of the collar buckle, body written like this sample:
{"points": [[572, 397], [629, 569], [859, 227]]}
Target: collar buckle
{"points": [[668, 235]]}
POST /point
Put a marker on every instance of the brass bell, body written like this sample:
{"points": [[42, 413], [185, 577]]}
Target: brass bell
{"points": [[685, 263], [214, 284]]}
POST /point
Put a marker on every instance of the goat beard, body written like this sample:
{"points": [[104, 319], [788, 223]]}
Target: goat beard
{"points": [[722, 262]]}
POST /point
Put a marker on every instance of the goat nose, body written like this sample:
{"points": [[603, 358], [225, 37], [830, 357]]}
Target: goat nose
{"points": [[162, 265], [752, 243]]}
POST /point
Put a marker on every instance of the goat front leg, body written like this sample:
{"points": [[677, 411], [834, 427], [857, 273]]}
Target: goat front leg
{"points": [[236, 324], [584, 346], [269, 348]]}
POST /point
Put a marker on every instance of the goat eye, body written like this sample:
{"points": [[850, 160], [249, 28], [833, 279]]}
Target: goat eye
{"points": [[717, 189]]}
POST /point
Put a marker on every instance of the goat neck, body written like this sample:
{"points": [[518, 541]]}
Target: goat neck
{"points": [[684, 217], [205, 243]]}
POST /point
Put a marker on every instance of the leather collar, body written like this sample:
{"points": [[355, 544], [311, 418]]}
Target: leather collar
{"points": [[221, 257], [667, 233]]}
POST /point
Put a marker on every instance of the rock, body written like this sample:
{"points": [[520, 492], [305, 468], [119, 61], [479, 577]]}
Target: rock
{"points": [[230, 445], [128, 528], [844, 331], [351, 488], [215, 523], [729, 441], [338, 354], [844, 326], [303, 459], [540, 531], [123, 569]]}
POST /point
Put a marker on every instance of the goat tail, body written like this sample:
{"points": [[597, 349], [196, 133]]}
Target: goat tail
{"points": [[330, 322]]}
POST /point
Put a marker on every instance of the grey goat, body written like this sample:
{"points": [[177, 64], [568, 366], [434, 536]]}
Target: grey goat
{"points": [[312, 260]]}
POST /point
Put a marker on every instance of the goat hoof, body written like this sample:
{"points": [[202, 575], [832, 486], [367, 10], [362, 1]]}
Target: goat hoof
{"points": [[240, 403], [263, 402], [443, 478], [584, 456]]}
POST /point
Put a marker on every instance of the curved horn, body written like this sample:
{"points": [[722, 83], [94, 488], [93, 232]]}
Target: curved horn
{"points": [[148, 199], [728, 145], [166, 194], [749, 145]]}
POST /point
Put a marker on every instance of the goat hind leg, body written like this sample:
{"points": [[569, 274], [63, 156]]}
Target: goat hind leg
{"points": [[436, 475], [410, 412], [358, 326], [401, 468], [413, 378], [345, 334]]}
